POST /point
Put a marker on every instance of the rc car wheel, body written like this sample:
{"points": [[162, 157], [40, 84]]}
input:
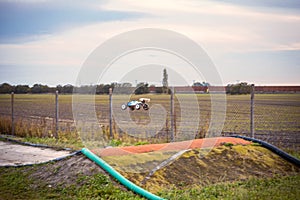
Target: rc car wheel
{"points": [[145, 106], [124, 106], [137, 106]]}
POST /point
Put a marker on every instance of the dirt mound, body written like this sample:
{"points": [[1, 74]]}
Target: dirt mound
{"points": [[197, 162], [141, 160], [230, 159], [223, 163], [66, 172]]}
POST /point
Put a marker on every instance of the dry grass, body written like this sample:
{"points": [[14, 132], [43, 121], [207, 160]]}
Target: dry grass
{"points": [[34, 115]]}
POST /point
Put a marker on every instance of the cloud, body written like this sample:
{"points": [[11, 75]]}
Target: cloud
{"points": [[29, 20], [288, 47], [61, 34], [230, 26], [290, 4]]}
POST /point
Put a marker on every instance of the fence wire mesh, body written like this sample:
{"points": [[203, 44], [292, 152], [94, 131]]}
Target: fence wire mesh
{"points": [[276, 116]]}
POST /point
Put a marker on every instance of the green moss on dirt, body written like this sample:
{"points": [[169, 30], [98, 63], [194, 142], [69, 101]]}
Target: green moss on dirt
{"points": [[221, 164], [137, 163]]}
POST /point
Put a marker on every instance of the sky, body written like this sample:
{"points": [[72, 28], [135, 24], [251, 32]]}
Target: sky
{"points": [[47, 41]]}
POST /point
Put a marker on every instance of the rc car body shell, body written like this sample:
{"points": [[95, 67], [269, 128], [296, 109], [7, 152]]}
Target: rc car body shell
{"points": [[136, 105], [132, 103]]}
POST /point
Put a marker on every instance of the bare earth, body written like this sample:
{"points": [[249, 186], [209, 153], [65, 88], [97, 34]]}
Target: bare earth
{"points": [[14, 154], [223, 163]]}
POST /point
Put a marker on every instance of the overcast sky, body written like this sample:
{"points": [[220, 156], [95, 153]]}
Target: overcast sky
{"points": [[47, 42]]}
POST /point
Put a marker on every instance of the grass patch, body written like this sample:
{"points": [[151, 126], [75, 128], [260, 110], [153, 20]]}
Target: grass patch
{"points": [[272, 188], [227, 144], [256, 144], [16, 184], [52, 142], [294, 153], [64, 141], [115, 143], [141, 143], [97, 187]]}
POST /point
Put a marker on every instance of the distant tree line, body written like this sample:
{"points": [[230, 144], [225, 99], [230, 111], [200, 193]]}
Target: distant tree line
{"points": [[6, 88], [141, 88], [239, 88], [125, 88]]}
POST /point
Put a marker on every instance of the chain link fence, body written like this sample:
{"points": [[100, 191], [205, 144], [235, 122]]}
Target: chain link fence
{"points": [[276, 117]]}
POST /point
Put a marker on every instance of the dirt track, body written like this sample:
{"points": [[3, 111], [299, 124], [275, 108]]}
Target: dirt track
{"points": [[15, 154], [237, 162], [174, 146]]}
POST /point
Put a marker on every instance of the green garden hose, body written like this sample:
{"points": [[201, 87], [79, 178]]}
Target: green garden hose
{"points": [[119, 177]]}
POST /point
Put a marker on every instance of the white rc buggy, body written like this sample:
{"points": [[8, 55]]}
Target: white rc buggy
{"points": [[136, 105]]}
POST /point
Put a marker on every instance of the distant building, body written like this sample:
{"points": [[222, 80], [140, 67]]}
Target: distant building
{"points": [[277, 89], [220, 89]]}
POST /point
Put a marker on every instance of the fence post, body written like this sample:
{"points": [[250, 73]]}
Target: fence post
{"points": [[172, 114], [56, 114], [252, 111], [12, 114], [110, 113]]}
